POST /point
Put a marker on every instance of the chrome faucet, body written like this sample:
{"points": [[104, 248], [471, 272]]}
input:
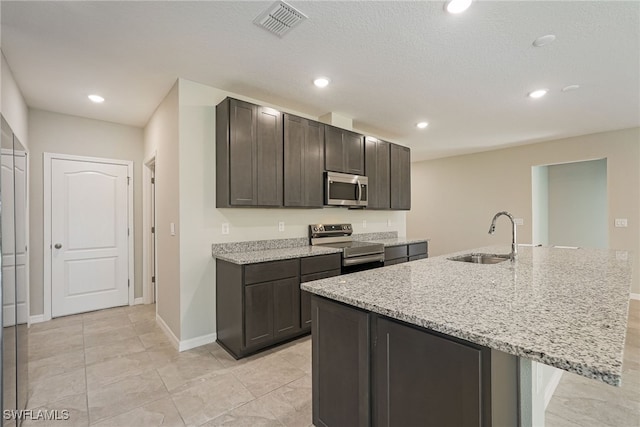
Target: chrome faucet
{"points": [[492, 229]]}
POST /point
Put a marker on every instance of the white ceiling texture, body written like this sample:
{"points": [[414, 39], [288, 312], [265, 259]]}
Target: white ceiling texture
{"points": [[391, 64]]}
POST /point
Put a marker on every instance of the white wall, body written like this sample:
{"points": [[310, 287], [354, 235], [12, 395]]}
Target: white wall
{"points": [[200, 221], [161, 139], [14, 108], [578, 204], [454, 198], [64, 134]]}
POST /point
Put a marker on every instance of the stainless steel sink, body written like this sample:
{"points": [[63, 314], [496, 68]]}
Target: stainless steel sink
{"points": [[481, 258]]}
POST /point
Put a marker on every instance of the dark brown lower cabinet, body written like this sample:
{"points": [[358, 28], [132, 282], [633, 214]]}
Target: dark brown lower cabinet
{"points": [[422, 379], [315, 268], [372, 370], [403, 253], [340, 354], [257, 305]]}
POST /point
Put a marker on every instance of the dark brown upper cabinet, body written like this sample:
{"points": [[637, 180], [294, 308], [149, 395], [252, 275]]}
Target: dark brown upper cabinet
{"points": [[377, 165], [343, 150], [249, 148], [303, 162], [400, 170]]}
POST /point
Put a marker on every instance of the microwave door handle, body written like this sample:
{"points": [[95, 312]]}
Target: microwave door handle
{"points": [[359, 190]]}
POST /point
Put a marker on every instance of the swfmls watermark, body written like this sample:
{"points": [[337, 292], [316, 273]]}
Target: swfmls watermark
{"points": [[36, 414]]}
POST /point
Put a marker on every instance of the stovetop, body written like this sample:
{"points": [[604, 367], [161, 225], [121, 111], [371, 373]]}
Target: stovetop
{"points": [[339, 236]]}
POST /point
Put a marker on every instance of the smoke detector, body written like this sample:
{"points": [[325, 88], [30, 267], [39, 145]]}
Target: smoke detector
{"points": [[279, 18]]}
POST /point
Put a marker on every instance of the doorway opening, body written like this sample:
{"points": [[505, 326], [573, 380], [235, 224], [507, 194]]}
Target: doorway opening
{"points": [[149, 235], [570, 204]]}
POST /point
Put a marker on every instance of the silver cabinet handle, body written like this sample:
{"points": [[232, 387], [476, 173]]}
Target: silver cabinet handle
{"points": [[359, 190], [57, 246]]}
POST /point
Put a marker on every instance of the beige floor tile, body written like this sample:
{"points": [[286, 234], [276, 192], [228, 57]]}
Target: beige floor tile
{"points": [[76, 411], [153, 339], [251, 414], [55, 365], [58, 322], [187, 367], [92, 327], [142, 314], [123, 396], [159, 413], [104, 314], [56, 341], [145, 326], [267, 374], [161, 355], [299, 355], [210, 398], [117, 369], [553, 420], [52, 389], [101, 353], [109, 337], [292, 403]]}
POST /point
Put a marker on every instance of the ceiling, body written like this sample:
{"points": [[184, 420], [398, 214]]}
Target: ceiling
{"points": [[392, 64]]}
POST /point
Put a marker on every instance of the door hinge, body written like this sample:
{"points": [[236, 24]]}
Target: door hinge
{"points": [[128, 283], [128, 180], [153, 230], [127, 231], [153, 180], [153, 279]]}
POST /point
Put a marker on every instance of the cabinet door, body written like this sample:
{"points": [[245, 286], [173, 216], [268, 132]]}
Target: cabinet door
{"points": [[421, 379], [400, 177], [258, 327], [286, 307], [340, 358], [377, 170], [303, 162], [333, 149], [354, 152], [242, 153], [268, 170], [305, 297]]}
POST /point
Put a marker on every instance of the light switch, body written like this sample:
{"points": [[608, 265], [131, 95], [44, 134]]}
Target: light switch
{"points": [[621, 222], [622, 255], [225, 228], [172, 226], [518, 221]]}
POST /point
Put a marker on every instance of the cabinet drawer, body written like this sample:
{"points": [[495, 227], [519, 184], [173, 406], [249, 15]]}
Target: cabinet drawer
{"points": [[268, 271], [319, 275], [394, 261], [416, 257], [394, 252], [319, 263], [417, 249]]}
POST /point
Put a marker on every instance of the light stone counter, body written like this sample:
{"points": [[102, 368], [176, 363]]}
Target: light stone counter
{"points": [[398, 241], [252, 257], [562, 307]]}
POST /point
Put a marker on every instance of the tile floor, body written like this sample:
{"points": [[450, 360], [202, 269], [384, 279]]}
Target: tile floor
{"points": [[116, 368]]}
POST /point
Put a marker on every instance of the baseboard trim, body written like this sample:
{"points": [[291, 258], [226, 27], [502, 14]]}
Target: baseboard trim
{"points": [[138, 301], [38, 318], [551, 387], [197, 341], [175, 342], [634, 296]]}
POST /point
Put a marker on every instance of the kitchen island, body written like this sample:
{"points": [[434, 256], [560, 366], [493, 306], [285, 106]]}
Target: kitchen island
{"points": [[565, 308]]}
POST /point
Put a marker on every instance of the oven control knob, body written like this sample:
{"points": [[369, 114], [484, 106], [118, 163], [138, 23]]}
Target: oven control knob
{"points": [[344, 227], [315, 228]]}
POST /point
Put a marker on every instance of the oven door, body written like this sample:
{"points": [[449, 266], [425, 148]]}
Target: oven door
{"points": [[346, 190], [361, 263]]}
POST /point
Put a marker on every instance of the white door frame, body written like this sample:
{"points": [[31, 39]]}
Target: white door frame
{"points": [[146, 229], [46, 241]]}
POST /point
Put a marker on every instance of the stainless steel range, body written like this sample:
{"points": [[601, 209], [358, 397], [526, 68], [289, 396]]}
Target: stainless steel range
{"points": [[356, 255]]}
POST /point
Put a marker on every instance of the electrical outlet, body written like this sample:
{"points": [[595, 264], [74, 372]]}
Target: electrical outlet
{"points": [[622, 255], [518, 221], [281, 226], [621, 222], [172, 228], [225, 228], [364, 223], [388, 222]]}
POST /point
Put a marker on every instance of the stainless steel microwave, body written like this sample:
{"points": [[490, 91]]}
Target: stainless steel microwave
{"points": [[346, 190]]}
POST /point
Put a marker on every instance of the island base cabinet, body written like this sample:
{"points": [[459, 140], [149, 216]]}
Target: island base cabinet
{"points": [[340, 354], [421, 379]]}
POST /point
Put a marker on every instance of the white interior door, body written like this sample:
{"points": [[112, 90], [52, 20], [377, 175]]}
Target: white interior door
{"points": [[89, 236], [8, 241], [20, 200]]}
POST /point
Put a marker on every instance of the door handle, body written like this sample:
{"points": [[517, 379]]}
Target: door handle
{"points": [[57, 246], [359, 190]]}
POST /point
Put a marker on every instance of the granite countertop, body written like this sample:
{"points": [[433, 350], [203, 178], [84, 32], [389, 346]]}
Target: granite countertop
{"points": [[398, 241], [562, 307], [252, 257]]}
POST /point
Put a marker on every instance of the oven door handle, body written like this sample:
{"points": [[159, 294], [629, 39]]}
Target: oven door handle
{"points": [[361, 260]]}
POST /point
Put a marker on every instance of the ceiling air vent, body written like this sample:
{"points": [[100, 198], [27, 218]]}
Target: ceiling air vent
{"points": [[280, 18]]}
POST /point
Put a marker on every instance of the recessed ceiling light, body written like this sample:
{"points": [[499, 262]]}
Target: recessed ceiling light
{"points": [[538, 93], [570, 88], [96, 98], [544, 40], [457, 6], [422, 125], [321, 82]]}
